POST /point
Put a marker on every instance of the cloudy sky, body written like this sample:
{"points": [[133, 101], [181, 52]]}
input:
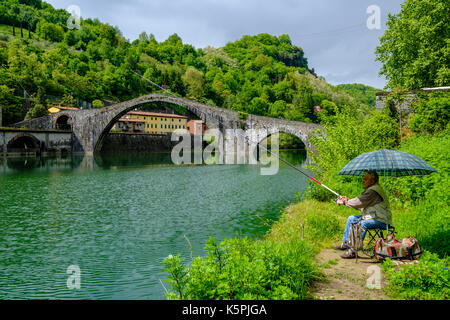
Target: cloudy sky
{"points": [[333, 33]]}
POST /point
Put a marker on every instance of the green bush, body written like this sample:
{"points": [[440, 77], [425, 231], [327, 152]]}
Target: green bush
{"points": [[11, 106], [244, 269], [431, 115], [429, 222], [97, 104], [428, 280], [37, 111], [349, 136], [242, 115], [410, 190]]}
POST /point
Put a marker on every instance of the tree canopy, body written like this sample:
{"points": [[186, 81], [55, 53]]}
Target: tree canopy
{"points": [[415, 49], [262, 74]]}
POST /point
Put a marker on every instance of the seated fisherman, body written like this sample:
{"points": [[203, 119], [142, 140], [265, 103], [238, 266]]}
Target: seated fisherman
{"points": [[372, 202]]}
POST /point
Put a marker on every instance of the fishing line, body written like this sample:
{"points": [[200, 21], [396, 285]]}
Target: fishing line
{"points": [[245, 137]]}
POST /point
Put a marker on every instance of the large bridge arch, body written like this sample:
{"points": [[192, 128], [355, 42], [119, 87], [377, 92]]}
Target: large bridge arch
{"points": [[211, 121], [90, 127]]}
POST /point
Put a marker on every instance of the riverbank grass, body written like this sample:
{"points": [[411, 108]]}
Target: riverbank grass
{"points": [[244, 269], [318, 223]]}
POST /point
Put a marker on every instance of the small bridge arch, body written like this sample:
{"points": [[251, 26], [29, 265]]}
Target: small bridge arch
{"points": [[63, 122], [24, 142], [274, 131]]}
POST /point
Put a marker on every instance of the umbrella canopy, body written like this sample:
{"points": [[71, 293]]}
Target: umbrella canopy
{"points": [[387, 163]]}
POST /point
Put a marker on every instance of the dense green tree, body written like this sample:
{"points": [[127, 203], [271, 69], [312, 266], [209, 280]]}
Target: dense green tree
{"points": [[37, 111], [277, 108], [68, 101], [194, 82], [362, 93], [415, 48], [260, 74], [11, 106], [431, 114]]}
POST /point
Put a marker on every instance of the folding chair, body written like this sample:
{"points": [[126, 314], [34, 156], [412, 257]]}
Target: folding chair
{"points": [[371, 236]]}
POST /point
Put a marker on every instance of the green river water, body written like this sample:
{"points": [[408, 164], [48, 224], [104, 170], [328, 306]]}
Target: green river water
{"points": [[118, 217]]}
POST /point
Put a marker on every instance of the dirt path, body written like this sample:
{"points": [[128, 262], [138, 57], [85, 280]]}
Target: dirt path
{"points": [[347, 280]]}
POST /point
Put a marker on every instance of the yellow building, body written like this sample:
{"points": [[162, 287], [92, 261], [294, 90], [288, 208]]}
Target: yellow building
{"points": [[160, 123], [56, 109]]}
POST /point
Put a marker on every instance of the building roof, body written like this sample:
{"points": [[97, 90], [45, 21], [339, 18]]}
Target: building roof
{"points": [[66, 108], [436, 88], [410, 92], [155, 114], [131, 120], [56, 109]]}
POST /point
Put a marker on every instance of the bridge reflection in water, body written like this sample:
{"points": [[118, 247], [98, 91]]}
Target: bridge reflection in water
{"points": [[117, 218], [84, 163]]}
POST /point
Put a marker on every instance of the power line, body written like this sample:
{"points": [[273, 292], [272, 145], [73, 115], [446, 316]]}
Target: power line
{"points": [[343, 29]]}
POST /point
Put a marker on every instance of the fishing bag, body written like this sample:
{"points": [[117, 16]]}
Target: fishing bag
{"points": [[355, 240], [406, 249]]}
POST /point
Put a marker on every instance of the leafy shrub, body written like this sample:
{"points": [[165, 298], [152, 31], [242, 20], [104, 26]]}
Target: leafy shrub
{"points": [[350, 136], [431, 115], [409, 190], [244, 269], [37, 111], [428, 280], [11, 106], [242, 115], [97, 104]]}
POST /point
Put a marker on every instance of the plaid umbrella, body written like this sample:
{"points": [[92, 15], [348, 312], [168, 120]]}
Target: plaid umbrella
{"points": [[387, 163]]}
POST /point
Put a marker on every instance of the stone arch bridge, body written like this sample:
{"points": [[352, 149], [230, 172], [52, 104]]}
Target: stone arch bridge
{"points": [[90, 126]]}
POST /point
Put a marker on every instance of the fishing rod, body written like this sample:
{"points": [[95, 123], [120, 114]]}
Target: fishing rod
{"points": [[246, 138]]}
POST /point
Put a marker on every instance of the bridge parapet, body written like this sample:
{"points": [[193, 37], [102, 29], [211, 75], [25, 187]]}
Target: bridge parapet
{"points": [[91, 126]]}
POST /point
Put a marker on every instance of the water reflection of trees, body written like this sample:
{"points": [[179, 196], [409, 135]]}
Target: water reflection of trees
{"points": [[41, 164], [132, 159], [81, 163]]}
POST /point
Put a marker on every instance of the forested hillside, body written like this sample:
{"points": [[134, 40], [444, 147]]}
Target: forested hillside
{"points": [[262, 74]]}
